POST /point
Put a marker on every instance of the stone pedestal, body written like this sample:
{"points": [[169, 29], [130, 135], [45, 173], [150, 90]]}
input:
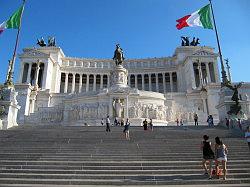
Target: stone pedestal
{"points": [[8, 108], [24, 92], [119, 76], [226, 104]]}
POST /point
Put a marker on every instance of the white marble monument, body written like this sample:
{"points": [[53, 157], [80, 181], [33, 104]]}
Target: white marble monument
{"points": [[74, 91]]}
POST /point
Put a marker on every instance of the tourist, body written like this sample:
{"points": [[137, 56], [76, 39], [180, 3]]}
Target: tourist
{"points": [[145, 124], [220, 156], [126, 129], [208, 155], [247, 136], [210, 121], [151, 124], [177, 122], [181, 122], [227, 122], [102, 121], [107, 124], [122, 122], [195, 119]]}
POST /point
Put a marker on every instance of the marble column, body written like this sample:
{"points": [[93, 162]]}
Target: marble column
{"points": [[129, 80], [216, 72], [37, 75], [171, 81], [200, 74], [21, 73], [94, 85], [157, 82], [204, 105], [101, 84], [73, 83], [127, 107], [29, 73], [164, 83], [87, 83], [108, 81], [179, 81], [136, 81], [142, 77], [45, 77], [193, 80], [208, 73], [110, 107], [80, 84], [66, 82], [149, 82]]}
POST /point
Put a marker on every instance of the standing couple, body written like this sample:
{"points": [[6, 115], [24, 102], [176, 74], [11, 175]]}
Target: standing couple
{"points": [[219, 155]]}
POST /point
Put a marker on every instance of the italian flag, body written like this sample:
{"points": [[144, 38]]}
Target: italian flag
{"points": [[14, 21], [200, 18]]}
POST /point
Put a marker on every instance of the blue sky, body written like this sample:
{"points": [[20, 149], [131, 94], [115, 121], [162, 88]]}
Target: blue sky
{"points": [[144, 28]]}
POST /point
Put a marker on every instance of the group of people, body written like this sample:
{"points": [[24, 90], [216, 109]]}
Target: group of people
{"points": [[179, 122], [210, 121], [219, 155], [116, 122], [126, 125], [145, 124]]}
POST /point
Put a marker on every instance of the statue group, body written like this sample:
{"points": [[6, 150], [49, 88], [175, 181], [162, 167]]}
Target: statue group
{"points": [[51, 42], [118, 55], [235, 109], [185, 41]]}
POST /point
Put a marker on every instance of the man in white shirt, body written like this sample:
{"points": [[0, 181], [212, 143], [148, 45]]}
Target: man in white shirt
{"points": [[247, 136]]}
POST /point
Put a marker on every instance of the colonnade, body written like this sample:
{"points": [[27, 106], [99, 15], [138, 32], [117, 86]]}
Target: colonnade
{"points": [[203, 73], [77, 83], [31, 73], [158, 82]]}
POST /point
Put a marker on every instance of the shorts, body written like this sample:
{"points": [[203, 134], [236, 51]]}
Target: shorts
{"points": [[222, 159]]}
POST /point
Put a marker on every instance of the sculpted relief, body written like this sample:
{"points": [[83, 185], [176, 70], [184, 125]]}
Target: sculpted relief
{"points": [[118, 78], [88, 111], [49, 115], [150, 111]]}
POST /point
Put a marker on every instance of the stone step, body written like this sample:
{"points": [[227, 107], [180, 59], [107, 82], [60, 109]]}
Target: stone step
{"points": [[117, 171], [54, 185], [112, 176], [185, 180], [113, 167], [101, 155], [120, 167], [50, 156], [120, 163]]}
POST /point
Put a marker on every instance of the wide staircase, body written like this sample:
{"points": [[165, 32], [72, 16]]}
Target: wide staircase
{"points": [[53, 156]]}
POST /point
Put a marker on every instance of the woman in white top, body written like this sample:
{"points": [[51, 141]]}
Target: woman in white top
{"points": [[220, 156]]}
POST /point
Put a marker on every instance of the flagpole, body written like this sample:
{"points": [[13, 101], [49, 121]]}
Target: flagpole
{"points": [[223, 72], [9, 80]]}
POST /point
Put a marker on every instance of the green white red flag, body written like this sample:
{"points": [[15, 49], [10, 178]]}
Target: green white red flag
{"points": [[13, 22], [200, 18]]}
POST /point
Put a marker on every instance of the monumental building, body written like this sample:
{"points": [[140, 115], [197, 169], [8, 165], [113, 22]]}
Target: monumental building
{"points": [[55, 88]]}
